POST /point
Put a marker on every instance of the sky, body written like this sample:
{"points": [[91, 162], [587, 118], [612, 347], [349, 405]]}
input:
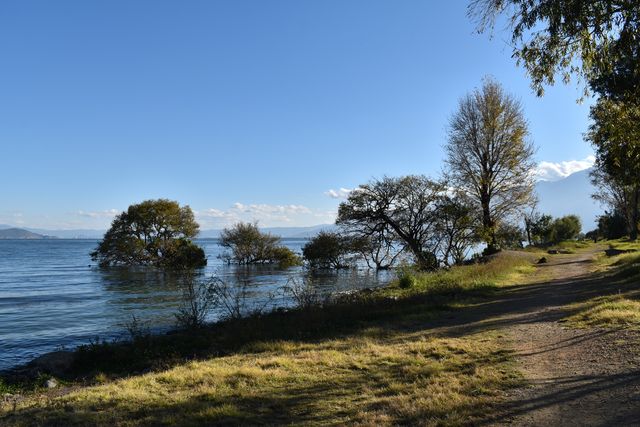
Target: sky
{"points": [[244, 110]]}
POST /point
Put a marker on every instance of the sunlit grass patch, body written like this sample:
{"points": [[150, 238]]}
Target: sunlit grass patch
{"points": [[502, 269], [607, 311], [400, 378]]}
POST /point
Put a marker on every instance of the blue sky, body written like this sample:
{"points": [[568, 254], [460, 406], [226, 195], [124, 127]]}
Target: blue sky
{"points": [[241, 109]]}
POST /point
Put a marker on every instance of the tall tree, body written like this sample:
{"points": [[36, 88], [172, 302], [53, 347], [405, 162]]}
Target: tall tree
{"points": [[615, 134], [489, 156]]}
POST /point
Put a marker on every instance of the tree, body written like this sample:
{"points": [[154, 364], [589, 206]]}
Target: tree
{"points": [[456, 227], [249, 245], [615, 135], [379, 249], [597, 40], [566, 228], [154, 232], [617, 199], [541, 229], [406, 205], [489, 157], [611, 225], [327, 250]]}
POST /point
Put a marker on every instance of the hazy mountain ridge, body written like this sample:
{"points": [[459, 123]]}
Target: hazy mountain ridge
{"points": [[570, 195], [21, 234]]}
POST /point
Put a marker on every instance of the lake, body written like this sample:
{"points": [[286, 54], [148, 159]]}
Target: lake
{"points": [[53, 296]]}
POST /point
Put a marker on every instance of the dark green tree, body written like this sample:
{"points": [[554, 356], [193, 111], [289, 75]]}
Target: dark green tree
{"points": [[328, 250], [615, 135], [154, 232], [566, 228]]}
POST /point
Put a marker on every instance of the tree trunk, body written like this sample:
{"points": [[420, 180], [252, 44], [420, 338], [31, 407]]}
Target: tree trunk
{"points": [[633, 232], [487, 222]]}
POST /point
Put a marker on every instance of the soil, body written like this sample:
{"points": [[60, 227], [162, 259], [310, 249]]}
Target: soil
{"points": [[573, 377]]}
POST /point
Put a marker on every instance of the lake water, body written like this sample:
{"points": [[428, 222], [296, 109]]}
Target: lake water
{"points": [[53, 296]]}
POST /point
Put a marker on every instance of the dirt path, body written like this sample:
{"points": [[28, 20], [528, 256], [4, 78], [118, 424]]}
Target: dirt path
{"points": [[574, 377]]}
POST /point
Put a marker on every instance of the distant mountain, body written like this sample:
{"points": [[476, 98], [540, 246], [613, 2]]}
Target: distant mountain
{"points": [[570, 195], [62, 234], [18, 233], [283, 232]]}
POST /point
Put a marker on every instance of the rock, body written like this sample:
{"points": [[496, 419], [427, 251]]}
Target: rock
{"points": [[51, 383], [55, 363], [552, 251], [614, 252], [542, 260]]}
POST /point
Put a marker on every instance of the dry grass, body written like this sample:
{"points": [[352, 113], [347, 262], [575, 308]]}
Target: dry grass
{"points": [[374, 379]]}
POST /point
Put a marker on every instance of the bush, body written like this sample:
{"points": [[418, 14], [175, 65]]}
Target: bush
{"points": [[249, 245], [285, 257], [565, 228], [406, 277], [327, 250]]}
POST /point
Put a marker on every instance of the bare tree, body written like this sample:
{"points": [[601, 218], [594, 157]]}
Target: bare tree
{"points": [[406, 205], [456, 228], [489, 157]]}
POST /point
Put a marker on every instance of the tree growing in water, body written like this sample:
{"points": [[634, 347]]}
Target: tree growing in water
{"points": [[489, 157], [248, 245], [154, 232]]}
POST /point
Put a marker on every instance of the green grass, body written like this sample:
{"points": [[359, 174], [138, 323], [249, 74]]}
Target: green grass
{"points": [[607, 311], [618, 305], [368, 359], [475, 279]]}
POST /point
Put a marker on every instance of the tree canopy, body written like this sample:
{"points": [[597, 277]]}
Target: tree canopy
{"points": [[597, 40], [489, 157], [154, 232]]}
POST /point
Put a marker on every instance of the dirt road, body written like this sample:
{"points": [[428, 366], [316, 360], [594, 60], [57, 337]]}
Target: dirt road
{"points": [[574, 377]]}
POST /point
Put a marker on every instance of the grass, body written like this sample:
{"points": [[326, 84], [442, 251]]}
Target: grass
{"points": [[377, 377], [367, 359], [607, 311], [475, 279], [618, 305]]}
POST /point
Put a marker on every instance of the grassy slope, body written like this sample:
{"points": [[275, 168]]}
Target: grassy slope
{"points": [[619, 305], [371, 360]]}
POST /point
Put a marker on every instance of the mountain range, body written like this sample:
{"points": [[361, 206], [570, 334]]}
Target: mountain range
{"points": [[570, 195], [18, 233]]}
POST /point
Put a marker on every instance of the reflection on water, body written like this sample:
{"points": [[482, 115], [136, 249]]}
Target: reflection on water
{"points": [[51, 296]]}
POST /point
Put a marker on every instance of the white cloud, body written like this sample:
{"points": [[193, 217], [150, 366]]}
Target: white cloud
{"points": [[109, 213], [550, 171], [341, 193], [267, 215]]}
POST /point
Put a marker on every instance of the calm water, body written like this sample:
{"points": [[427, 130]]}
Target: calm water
{"points": [[53, 296]]}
